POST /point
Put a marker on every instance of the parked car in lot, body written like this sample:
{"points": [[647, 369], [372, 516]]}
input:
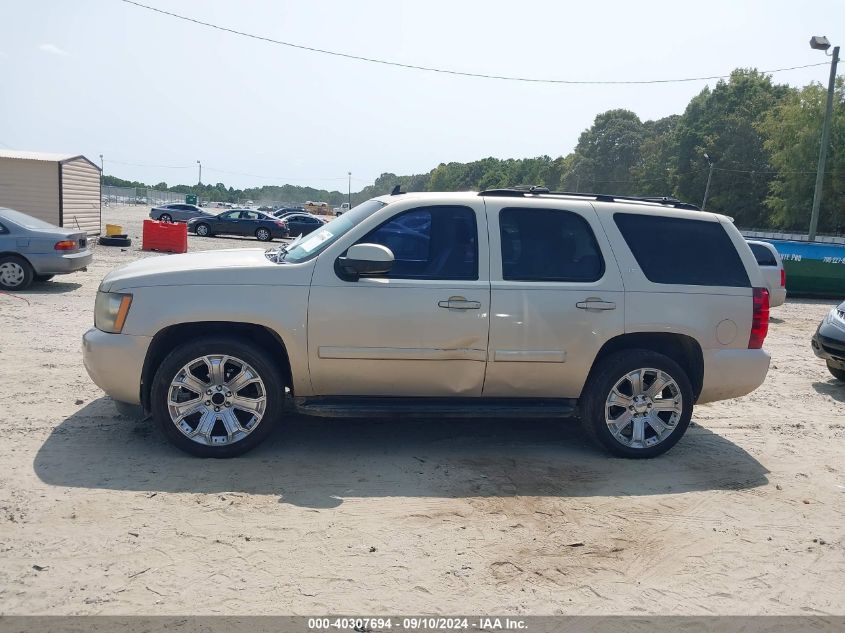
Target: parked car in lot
{"points": [[178, 212], [508, 302], [829, 341], [35, 250], [297, 224], [239, 222], [771, 264]]}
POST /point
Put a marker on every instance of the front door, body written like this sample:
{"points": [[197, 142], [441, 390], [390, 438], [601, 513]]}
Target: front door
{"points": [[422, 329]]}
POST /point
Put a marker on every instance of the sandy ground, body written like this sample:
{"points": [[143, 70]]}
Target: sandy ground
{"points": [[99, 515]]}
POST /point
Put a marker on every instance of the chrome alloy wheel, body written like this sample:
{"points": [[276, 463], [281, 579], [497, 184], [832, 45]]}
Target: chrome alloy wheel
{"points": [[217, 400], [643, 408], [12, 274]]}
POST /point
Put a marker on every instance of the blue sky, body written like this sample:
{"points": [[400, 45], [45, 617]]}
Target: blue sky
{"points": [[104, 77]]}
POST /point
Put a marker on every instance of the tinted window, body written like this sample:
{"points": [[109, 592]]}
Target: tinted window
{"points": [[3, 229], [548, 245], [231, 215], [430, 243], [680, 251], [763, 255]]}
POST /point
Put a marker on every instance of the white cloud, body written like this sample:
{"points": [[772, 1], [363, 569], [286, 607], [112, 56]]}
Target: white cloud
{"points": [[53, 49]]}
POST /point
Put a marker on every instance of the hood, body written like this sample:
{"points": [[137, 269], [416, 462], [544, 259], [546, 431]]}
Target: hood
{"points": [[241, 266]]}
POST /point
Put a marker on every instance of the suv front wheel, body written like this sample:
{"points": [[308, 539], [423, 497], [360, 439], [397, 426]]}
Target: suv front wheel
{"points": [[638, 403], [218, 397]]}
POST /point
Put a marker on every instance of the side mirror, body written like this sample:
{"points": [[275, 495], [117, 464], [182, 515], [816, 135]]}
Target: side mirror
{"points": [[364, 260]]}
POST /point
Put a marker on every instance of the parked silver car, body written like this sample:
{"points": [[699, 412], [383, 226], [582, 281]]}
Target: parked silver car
{"points": [[178, 212], [35, 250]]}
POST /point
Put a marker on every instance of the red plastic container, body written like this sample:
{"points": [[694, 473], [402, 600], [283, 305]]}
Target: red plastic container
{"points": [[168, 237]]}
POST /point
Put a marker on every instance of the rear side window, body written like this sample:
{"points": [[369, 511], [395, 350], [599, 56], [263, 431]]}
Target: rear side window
{"points": [[681, 251], [763, 255], [548, 245]]}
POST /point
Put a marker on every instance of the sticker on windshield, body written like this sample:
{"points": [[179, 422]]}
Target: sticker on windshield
{"points": [[315, 240]]}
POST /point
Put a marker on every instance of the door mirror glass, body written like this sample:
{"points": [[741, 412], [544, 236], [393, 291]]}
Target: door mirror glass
{"points": [[364, 260]]}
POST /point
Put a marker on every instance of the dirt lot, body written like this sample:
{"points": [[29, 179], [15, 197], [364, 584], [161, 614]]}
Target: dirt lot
{"points": [[99, 515]]}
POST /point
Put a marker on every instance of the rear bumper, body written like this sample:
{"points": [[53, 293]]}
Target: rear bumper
{"points": [[777, 297], [114, 362], [51, 264], [730, 373]]}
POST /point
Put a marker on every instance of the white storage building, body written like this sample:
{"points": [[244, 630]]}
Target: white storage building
{"points": [[63, 189]]}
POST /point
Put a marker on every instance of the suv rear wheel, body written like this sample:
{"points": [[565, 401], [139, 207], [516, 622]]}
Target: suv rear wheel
{"points": [[217, 397], [637, 404]]}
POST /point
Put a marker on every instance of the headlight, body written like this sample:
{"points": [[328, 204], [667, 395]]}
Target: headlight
{"points": [[110, 310]]}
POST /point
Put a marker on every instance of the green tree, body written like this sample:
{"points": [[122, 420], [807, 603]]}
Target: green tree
{"points": [[723, 123], [792, 133], [608, 151]]}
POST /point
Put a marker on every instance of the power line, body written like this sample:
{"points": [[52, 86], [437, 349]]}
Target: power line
{"points": [[120, 162], [238, 173], [445, 71]]}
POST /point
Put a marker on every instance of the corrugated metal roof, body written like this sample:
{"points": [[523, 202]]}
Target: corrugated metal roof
{"points": [[45, 156]]}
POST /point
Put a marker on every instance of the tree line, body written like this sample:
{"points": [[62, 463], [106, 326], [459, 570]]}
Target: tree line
{"points": [[762, 139]]}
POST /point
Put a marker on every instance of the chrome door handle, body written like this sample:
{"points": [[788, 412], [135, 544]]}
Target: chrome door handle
{"points": [[595, 304], [459, 303]]}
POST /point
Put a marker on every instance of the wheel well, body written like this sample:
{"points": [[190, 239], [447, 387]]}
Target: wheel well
{"points": [[14, 254], [170, 337], [683, 349]]}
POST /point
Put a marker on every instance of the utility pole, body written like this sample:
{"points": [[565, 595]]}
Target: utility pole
{"points": [[707, 187], [349, 190], [817, 194], [199, 179]]}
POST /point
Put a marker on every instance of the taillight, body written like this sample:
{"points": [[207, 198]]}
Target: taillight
{"points": [[759, 319], [782, 278], [280, 224], [65, 245]]}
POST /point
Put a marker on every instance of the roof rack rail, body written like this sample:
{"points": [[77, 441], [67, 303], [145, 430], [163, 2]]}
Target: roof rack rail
{"points": [[520, 192]]}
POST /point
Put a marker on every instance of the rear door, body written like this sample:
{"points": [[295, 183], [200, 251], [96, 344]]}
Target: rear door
{"points": [[556, 297]]}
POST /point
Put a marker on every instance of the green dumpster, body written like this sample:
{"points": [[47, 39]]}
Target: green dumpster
{"points": [[190, 198]]}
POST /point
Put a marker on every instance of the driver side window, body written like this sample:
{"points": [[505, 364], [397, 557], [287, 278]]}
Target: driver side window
{"points": [[430, 243]]}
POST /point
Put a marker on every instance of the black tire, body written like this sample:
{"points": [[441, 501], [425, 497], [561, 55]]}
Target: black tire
{"points": [[604, 377], [203, 230], [238, 348], [165, 217], [263, 235], [42, 278], [114, 240], [15, 273], [839, 374]]}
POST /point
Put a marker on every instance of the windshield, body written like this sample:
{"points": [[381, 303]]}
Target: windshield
{"points": [[314, 243], [25, 221]]}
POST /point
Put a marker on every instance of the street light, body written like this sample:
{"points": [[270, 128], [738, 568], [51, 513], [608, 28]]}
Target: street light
{"points": [[710, 162], [349, 190], [821, 43], [199, 180]]}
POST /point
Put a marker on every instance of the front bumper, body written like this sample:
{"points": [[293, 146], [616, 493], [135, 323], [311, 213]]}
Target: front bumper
{"points": [[828, 343], [52, 264], [731, 373], [114, 362]]}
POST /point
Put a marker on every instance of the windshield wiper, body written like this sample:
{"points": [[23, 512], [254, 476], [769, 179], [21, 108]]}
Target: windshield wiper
{"points": [[276, 255]]}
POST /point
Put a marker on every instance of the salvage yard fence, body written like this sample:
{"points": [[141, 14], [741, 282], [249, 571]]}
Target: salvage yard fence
{"points": [[139, 195]]}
